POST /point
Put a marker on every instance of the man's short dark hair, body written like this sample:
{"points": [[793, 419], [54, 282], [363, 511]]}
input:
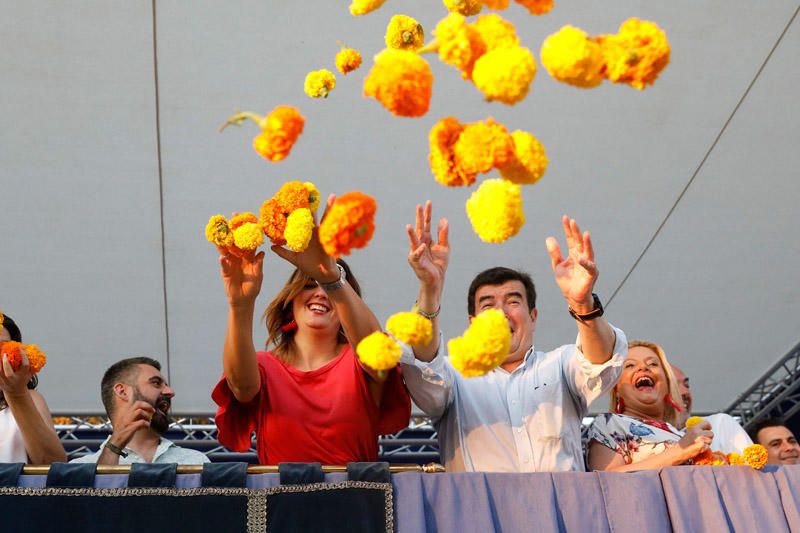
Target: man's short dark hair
{"points": [[123, 371], [766, 423], [498, 276]]}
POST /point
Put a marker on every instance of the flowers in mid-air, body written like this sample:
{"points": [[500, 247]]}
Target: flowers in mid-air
{"points": [[280, 130]]}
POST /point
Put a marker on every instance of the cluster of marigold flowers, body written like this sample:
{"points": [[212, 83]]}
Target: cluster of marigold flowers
{"points": [[754, 455], [288, 219], [14, 350], [464, 7]]}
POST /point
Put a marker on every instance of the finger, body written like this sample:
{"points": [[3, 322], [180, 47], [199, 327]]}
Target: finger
{"points": [[235, 214], [554, 250], [328, 205], [567, 231], [444, 228], [25, 363], [8, 370], [426, 227], [259, 259], [589, 266], [144, 406], [416, 254], [285, 254], [576, 235], [412, 238], [588, 249], [418, 222], [222, 250]]}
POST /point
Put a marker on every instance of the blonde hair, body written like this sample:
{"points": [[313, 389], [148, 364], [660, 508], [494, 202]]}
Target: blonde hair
{"points": [[671, 415], [279, 311]]}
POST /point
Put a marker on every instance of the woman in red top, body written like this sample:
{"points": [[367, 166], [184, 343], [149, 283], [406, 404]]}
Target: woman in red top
{"points": [[309, 399]]}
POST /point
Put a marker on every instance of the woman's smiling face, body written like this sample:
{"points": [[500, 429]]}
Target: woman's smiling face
{"points": [[643, 383], [312, 308]]}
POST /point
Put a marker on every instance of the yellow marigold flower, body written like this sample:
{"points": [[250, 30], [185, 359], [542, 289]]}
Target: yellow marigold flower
{"points": [[482, 146], [378, 351], [756, 456], [529, 161], [404, 33], [319, 83], [248, 236], [496, 4], [505, 74], [348, 60], [637, 54], [36, 357], [293, 195], [442, 138], [464, 7], [242, 218], [299, 225], [350, 223], [495, 210], [314, 196], [410, 328], [218, 231], [362, 7], [496, 32], [273, 221], [537, 7], [459, 44], [484, 345], [734, 458], [571, 56], [693, 421], [402, 81]]}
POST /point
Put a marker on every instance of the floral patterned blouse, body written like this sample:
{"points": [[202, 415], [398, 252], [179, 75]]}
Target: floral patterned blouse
{"points": [[632, 438]]}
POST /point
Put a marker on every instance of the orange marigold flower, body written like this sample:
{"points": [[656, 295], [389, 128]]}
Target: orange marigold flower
{"points": [[496, 32], [464, 7], [483, 146], [12, 350], [279, 131], [242, 218], [292, 195], [442, 138], [756, 456], [505, 74], [362, 7], [529, 162], [459, 44], [735, 459], [537, 7], [404, 33], [637, 54], [273, 221], [349, 224], [496, 4], [348, 60], [36, 357], [402, 81]]}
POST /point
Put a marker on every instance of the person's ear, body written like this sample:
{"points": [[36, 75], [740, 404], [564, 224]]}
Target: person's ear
{"points": [[121, 391], [470, 318], [534, 314]]}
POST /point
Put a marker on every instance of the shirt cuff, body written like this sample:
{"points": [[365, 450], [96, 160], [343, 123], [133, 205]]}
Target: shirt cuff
{"points": [[593, 371], [436, 365]]}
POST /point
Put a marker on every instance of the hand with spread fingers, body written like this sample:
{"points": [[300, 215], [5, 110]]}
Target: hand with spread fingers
{"points": [[427, 258], [313, 261], [576, 273], [242, 276]]}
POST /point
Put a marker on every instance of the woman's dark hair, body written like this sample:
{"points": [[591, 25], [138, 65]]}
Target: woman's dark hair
{"points": [[16, 335]]}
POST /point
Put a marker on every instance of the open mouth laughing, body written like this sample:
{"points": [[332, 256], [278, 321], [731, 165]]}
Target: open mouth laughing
{"points": [[644, 383]]}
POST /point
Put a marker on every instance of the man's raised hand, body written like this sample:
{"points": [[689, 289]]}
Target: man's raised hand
{"points": [[577, 273], [427, 258]]}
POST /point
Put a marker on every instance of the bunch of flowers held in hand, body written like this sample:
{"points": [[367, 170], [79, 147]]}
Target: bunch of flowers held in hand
{"points": [[484, 345], [14, 350], [754, 456], [635, 55], [280, 130], [349, 224]]}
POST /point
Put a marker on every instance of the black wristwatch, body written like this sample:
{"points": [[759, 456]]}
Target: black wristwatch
{"points": [[596, 313]]}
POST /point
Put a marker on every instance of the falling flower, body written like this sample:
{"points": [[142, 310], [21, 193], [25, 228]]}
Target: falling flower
{"points": [[248, 236], [458, 43], [404, 33], [528, 162], [496, 32], [442, 138], [402, 81], [495, 210], [279, 131], [299, 226], [218, 232], [756, 456], [410, 328], [464, 7], [348, 60], [571, 56], [537, 7], [362, 7], [637, 54], [505, 74], [319, 83], [481, 146], [378, 351], [496, 4], [484, 345], [350, 223]]}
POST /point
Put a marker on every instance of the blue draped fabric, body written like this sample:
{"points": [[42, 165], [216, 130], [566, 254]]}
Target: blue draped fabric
{"points": [[728, 498]]}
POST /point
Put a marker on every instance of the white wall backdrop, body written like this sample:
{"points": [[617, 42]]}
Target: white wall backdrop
{"points": [[111, 164]]}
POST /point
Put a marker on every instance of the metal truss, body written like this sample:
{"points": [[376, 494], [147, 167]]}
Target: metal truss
{"points": [[775, 394]]}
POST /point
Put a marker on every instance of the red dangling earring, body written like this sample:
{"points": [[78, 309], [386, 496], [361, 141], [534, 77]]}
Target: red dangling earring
{"points": [[620, 404], [670, 401], [289, 326]]}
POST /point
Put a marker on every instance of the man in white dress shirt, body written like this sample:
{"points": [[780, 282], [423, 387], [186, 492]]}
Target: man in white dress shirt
{"points": [[137, 399], [524, 416]]}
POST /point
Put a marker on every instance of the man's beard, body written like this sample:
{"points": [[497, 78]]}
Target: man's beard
{"points": [[159, 423]]}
